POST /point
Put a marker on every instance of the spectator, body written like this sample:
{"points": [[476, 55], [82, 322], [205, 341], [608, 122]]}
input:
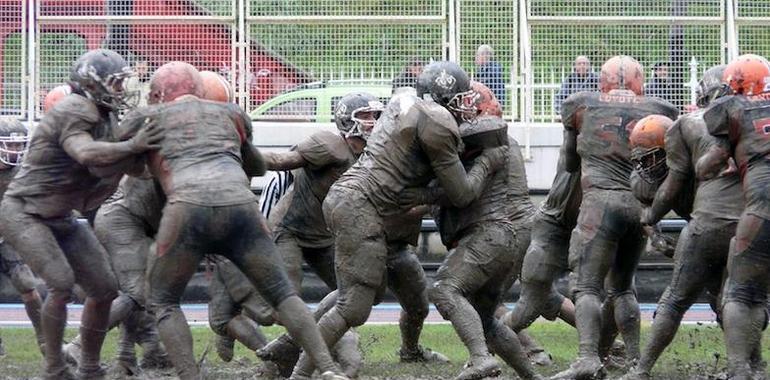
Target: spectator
{"points": [[581, 79], [489, 72], [140, 83], [408, 77], [661, 85]]}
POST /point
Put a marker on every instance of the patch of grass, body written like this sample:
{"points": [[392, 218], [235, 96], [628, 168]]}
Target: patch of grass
{"points": [[696, 351]]}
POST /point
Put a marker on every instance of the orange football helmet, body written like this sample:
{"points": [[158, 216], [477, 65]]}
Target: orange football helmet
{"points": [[748, 74], [486, 102], [647, 142], [216, 87], [55, 95]]}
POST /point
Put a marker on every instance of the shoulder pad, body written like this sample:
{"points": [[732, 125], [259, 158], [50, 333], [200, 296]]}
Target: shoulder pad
{"points": [[325, 143], [78, 106], [437, 114], [401, 103], [332, 141]]}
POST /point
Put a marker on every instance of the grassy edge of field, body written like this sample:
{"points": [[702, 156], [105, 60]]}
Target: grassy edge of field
{"points": [[697, 352]]}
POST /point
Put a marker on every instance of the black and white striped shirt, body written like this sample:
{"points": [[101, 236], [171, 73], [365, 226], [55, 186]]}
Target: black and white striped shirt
{"points": [[279, 184]]}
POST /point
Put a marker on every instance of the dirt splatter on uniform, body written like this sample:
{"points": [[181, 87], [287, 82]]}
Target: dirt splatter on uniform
{"points": [[404, 153], [609, 237], [300, 229], [210, 208], [126, 225], [191, 147], [51, 182], [546, 258], [19, 273], [328, 156], [414, 142], [743, 122], [484, 260], [233, 297], [702, 250], [11, 264], [686, 141], [37, 221]]}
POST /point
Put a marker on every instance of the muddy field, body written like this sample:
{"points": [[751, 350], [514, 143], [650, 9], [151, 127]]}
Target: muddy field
{"points": [[697, 353]]}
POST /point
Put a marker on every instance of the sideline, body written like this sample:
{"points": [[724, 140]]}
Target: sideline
{"points": [[13, 315]]}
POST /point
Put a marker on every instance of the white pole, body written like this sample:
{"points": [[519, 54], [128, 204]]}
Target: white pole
{"points": [[243, 65], [452, 40], [693, 79], [732, 32], [526, 69], [32, 72]]}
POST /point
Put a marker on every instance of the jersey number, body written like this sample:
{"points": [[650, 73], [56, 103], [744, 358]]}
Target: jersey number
{"points": [[762, 126], [615, 129]]}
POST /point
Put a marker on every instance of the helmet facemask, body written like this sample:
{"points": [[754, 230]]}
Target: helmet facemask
{"points": [[12, 148], [111, 90], [363, 120], [464, 105], [707, 95], [650, 164]]}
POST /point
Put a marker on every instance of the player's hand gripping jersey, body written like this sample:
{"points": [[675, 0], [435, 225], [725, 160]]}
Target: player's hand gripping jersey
{"points": [[201, 159]]}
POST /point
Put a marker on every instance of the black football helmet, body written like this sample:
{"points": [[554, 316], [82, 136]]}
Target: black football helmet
{"points": [[711, 86], [101, 75], [14, 137], [448, 85], [348, 110]]}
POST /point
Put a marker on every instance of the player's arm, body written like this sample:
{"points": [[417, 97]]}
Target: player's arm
{"points": [[571, 114], [680, 170], [713, 161], [253, 161], [460, 187], [317, 151], [284, 160], [82, 147], [665, 198], [716, 157], [642, 190], [569, 151]]}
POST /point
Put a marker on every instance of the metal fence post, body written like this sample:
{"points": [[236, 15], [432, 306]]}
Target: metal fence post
{"points": [[526, 71], [693, 80], [29, 73], [732, 31]]}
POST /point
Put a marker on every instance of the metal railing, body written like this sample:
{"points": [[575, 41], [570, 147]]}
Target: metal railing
{"points": [[267, 47]]}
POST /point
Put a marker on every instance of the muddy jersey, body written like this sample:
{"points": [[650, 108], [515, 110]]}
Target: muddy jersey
{"points": [[518, 191], [50, 181], [505, 199], [412, 139], [745, 122], [604, 122], [299, 210], [564, 197], [718, 201], [6, 175], [199, 161], [143, 198]]}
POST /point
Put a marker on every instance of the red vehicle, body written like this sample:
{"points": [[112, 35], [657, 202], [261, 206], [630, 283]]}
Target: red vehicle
{"points": [[206, 44]]}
